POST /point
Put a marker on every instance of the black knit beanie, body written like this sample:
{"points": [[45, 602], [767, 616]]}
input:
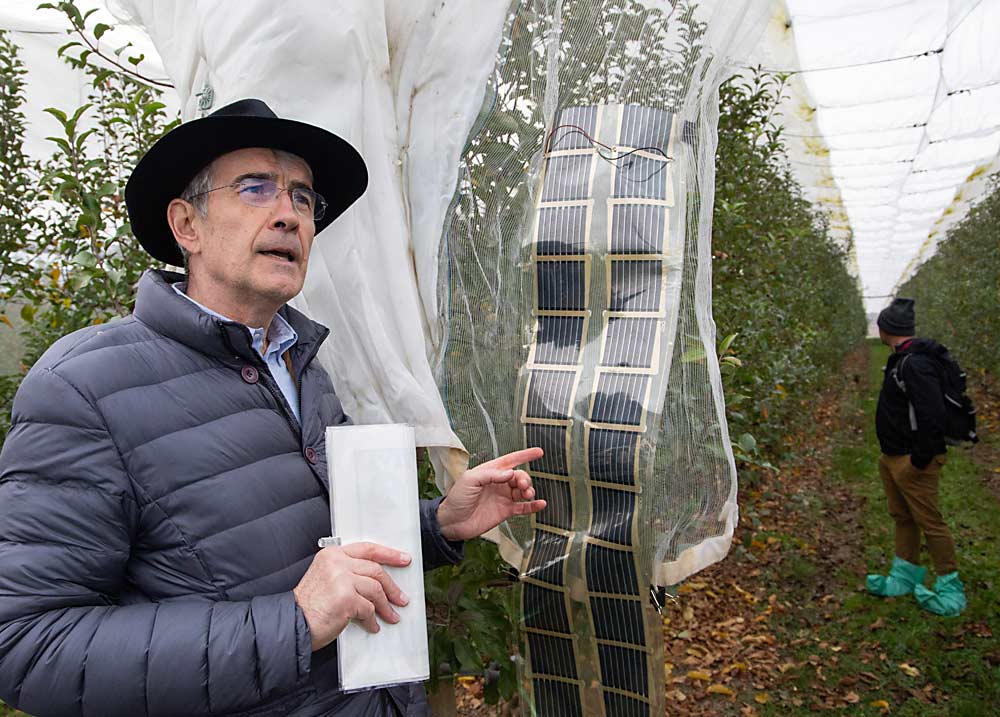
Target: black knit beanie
{"points": [[898, 318]]}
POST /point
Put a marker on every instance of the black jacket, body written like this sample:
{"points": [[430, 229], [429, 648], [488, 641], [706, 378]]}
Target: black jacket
{"points": [[918, 432]]}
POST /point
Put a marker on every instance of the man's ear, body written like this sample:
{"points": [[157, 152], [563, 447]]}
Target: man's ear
{"points": [[181, 217]]}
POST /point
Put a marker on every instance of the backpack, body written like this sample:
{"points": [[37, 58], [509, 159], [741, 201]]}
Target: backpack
{"points": [[960, 414]]}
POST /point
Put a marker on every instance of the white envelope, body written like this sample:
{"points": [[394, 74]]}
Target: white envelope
{"points": [[373, 497]]}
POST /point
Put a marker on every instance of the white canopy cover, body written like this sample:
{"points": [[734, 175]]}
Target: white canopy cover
{"points": [[893, 120]]}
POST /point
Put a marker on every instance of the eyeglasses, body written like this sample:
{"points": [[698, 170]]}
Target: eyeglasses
{"points": [[265, 193]]}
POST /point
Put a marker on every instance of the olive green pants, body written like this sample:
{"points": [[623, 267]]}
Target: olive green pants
{"points": [[912, 494]]}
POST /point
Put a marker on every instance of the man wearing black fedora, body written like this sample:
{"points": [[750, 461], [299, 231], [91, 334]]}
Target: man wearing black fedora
{"points": [[163, 483], [911, 423]]}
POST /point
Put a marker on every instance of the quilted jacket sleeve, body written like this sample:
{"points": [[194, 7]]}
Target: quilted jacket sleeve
{"points": [[436, 549], [67, 519]]}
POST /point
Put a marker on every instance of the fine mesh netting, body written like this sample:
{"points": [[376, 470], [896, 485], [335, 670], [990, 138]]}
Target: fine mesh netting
{"points": [[578, 304]]}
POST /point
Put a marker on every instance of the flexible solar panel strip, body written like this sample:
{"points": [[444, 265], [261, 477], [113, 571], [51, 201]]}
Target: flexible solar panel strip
{"points": [[594, 360]]}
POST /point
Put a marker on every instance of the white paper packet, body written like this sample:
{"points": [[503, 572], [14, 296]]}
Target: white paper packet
{"points": [[374, 498]]}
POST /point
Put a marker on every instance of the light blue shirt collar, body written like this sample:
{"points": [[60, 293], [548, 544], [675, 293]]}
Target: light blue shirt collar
{"points": [[282, 338]]}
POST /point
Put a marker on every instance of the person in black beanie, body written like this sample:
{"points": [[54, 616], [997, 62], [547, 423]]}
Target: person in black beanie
{"points": [[910, 423]]}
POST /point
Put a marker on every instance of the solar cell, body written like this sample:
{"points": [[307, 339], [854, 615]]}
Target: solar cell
{"points": [[551, 655], [559, 340], [547, 562], [610, 571], [545, 609], [623, 668], [552, 440], [618, 620]]}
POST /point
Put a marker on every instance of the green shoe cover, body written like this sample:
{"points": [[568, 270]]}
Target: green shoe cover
{"points": [[946, 599], [901, 580]]}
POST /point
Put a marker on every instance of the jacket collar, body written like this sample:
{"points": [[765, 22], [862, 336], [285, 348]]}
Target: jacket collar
{"points": [[160, 308]]}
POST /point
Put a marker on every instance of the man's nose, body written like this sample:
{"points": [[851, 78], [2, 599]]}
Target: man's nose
{"points": [[284, 216]]}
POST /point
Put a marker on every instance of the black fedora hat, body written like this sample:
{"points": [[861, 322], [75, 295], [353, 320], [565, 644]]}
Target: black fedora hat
{"points": [[339, 172]]}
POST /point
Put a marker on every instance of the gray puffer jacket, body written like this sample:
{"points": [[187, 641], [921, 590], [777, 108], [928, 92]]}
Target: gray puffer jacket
{"points": [[158, 503]]}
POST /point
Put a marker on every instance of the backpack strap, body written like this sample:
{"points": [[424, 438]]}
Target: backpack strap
{"points": [[897, 376]]}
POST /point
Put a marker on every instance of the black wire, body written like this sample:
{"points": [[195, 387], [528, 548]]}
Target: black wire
{"points": [[571, 129], [615, 161]]}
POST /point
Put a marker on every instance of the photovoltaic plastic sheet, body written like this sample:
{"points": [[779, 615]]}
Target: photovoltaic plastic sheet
{"points": [[580, 321]]}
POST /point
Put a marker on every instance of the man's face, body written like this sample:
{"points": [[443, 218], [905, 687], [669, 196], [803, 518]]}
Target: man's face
{"points": [[248, 254]]}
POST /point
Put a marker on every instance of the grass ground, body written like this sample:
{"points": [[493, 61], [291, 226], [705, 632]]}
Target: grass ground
{"points": [[783, 625], [896, 657]]}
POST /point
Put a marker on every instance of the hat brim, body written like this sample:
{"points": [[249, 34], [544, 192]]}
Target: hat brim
{"points": [[339, 172]]}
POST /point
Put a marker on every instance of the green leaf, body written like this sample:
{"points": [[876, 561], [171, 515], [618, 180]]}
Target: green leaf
{"points": [[80, 112], [694, 354], [100, 29], [726, 343], [69, 45], [73, 13], [81, 281], [28, 313], [747, 443], [63, 144], [85, 259], [152, 107], [467, 656], [57, 113]]}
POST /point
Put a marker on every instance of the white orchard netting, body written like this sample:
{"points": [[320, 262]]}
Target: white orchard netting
{"points": [[579, 312], [893, 120]]}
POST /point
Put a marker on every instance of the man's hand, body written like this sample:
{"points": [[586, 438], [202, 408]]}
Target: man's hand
{"points": [[348, 583], [485, 496]]}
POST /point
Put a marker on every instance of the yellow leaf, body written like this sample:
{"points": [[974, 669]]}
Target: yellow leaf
{"points": [[718, 689], [880, 704], [762, 698], [699, 675], [909, 669], [54, 274], [4, 319]]}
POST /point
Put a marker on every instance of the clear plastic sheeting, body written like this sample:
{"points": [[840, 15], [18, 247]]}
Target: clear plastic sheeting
{"points": [[893, 120], [374, 498], [579, 313]]}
